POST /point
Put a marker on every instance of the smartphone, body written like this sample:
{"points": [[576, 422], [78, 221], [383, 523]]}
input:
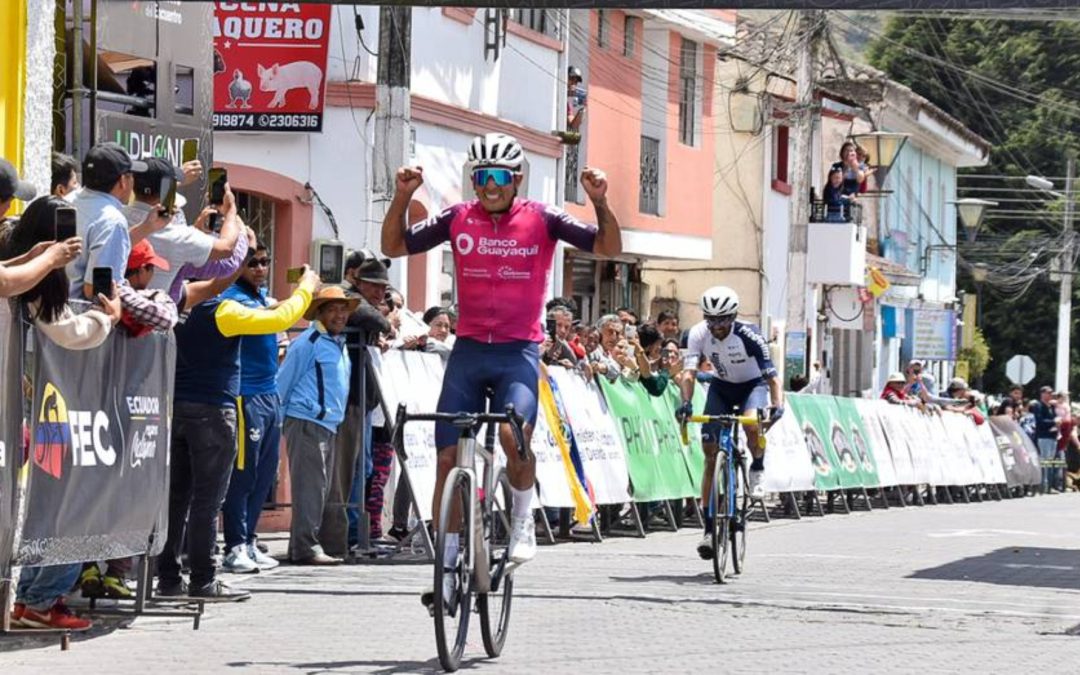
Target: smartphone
{"points": [[293, 274], [189, 150], [168, 195], [631, 332], [217, 178], [103, 281], [215, 223], [64, 223], [551, 323]]}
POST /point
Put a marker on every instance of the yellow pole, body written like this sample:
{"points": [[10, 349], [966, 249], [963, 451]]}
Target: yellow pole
{"points": [[12, 80]]}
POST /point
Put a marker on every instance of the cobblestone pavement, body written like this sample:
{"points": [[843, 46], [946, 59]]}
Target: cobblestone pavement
{"points": [[988, 587]]}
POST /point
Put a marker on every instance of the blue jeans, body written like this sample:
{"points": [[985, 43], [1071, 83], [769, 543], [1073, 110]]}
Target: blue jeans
{"points": [[249, 486], [1048, 450], [40, 587], [360, 476]]}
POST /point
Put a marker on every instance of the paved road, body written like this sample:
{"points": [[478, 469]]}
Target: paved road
{"points": [[991, 587]]}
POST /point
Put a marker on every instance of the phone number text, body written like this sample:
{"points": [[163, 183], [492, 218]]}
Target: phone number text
{"points": [[264, 121]]}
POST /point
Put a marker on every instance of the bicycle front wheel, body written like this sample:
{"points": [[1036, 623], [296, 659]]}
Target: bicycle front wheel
{"points": [[721, 530], [739, 518], [453, 583], [494, 606]]}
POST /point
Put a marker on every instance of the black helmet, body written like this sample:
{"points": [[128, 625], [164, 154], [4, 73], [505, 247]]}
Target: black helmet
{"points": [[572, 72]]}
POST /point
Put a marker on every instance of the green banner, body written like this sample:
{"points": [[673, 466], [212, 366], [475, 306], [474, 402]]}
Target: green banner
{"points": [[692, 453], [858, 443], [813, 414], [654, 452]]}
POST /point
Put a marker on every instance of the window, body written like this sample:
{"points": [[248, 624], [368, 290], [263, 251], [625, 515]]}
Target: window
{"points": [[126, 83], [258, 214], [447, 291], [629, 44], [184, 88], [649, 201], [571, 173], [688, 92], [545, 21], [601, 28], [781, 154]]}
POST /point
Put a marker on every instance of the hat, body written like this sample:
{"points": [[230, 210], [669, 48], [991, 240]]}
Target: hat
{"points": [[105, 163], [329, 294], [573, 72], [148, 182], [957, 383], [373, 271], [896, 377], [915, 362], [142, 254], [357, 258], [13, 186]]}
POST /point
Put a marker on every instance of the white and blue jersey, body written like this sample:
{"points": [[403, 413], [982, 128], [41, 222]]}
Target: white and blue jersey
{"points": [[740, 358]]}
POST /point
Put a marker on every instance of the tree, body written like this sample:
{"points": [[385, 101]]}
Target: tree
{"points": [[1016, 84]]}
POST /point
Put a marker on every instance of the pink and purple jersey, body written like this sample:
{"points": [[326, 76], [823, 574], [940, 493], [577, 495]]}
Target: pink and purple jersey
{"points": [[501, 268]]}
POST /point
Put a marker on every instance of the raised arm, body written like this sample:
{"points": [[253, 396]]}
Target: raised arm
{"points": [[408, 180], [608, 237]]}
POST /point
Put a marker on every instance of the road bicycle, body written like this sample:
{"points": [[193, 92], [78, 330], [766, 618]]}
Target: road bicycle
{"points": [[482, 567], [729, 499]]}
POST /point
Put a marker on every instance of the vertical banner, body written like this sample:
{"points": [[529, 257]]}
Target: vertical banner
{"points": [[11, 414], [851, 422], [1018, 454], [815, 416], [654, 453], [892, 420], [787, 462], [868, 411], [99, 448], [270, 65]]}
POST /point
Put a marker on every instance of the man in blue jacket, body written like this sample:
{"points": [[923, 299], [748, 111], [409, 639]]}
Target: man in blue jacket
{"points": [[260, 436], [314, 386]]}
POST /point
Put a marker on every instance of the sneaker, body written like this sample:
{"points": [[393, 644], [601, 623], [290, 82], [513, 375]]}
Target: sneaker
{"points": [[221, 591], [705, 548], [90, 583], [757, 484], [522, 539], [264, 561], [17, 614], [239, 562], [116, 588], [57, 617], [397, 534], [176, 590]]}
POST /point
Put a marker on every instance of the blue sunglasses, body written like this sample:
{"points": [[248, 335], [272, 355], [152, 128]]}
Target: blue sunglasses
{"points": [[502, 177]]}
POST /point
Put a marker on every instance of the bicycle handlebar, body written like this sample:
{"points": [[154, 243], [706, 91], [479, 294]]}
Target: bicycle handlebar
{"points": [[462, 421], [760, 421]]}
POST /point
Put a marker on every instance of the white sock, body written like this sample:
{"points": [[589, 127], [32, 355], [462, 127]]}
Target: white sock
{"points": [[522, 502], [451, 551]]}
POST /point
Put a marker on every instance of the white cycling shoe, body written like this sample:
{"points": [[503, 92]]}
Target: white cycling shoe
{"points": [[522, 539], [705, 549], [757, 484], [427, 598]]}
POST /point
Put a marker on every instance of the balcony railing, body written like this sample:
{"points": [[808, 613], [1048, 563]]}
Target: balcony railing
{"points": [[849, 212]]}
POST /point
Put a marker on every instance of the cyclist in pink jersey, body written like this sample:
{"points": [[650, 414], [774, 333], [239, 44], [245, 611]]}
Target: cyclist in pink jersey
{"points": [[503, 250]]}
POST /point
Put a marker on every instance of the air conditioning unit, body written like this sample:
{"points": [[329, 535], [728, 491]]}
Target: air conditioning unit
{"points": [[836, 254]]}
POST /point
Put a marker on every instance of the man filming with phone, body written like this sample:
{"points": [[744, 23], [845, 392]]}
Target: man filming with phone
{"points": [[192, 252]]}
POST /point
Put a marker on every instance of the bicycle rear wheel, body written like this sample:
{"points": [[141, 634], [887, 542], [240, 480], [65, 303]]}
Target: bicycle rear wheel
{"points": [[494, 606], [739, 518], [452, 610], [721, 521]]}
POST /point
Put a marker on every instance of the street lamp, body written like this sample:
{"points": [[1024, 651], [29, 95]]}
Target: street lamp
{"points": [[972, 212], [883, 147], [1061, 366]]}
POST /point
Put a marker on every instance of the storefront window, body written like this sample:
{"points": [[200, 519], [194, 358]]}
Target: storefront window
{"points": [[258, 214]]}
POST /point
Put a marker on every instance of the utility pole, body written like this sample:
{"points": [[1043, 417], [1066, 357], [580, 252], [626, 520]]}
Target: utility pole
{"points": [[1061, 372], [392, 121], [797, 301]]}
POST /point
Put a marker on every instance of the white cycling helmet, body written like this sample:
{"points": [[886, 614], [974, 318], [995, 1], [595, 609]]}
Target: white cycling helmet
{"points": [[496, 151], [719, 301]]}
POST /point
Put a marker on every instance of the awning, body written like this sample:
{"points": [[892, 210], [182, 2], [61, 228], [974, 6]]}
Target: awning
{"points": [[896, 273]]}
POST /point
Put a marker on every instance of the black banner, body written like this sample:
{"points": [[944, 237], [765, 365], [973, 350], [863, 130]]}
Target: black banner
{"points": [[11, 407], [1018, 454], [99, 449]]}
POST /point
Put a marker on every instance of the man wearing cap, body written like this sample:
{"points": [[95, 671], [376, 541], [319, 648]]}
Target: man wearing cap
{"points": [[366, 280], [12, 187], [108, 182], [192, 252], [204, 424], [159, 311], [963, 400], [260, 436], [313, 384], [1046, 435]]}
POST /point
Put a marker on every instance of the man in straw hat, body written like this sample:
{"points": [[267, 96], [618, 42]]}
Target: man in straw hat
{"points": [[313, 384]]}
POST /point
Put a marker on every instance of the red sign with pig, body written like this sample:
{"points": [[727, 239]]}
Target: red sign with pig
{"points": [[270, 65]]}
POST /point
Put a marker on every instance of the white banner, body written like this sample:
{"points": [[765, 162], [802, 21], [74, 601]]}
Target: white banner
{"points": [[879, 446], [787, 461], [598, 441]]}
